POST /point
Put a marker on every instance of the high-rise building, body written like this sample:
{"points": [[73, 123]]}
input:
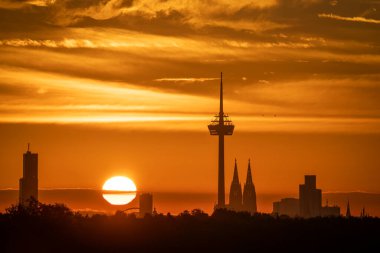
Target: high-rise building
{"points": [[221, 125], [146, 204], [348, 210], [249, 193], [363, 213], [29, 181], [310, 197], [236, 196]]}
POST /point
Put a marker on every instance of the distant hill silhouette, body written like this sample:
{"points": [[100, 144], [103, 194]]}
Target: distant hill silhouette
{"points": [[55, 228]]}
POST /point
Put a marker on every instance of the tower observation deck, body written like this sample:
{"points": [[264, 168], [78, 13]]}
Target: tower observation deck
{"points": [[221, 125]]}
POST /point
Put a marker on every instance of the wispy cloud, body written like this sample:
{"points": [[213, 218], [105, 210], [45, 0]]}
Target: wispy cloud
{"points": [[275, 107], [141, 41], [186, 79], [351, 19], [19, 4], [66, 43], [263, 82]]}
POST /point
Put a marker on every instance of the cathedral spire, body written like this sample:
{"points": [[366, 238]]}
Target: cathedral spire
{"points": [[236, 174], [249, 193], [236, 196], [249, 180]]}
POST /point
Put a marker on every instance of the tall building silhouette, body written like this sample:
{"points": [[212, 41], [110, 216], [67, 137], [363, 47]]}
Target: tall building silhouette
{"points": [[221, 125], [146, 204], [249, 193], [310, 197], [348, 210], [236, 196], [363, 213], [29, 181]]}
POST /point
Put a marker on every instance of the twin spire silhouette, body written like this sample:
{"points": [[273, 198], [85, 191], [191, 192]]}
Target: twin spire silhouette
{"points": [[246, 200]]}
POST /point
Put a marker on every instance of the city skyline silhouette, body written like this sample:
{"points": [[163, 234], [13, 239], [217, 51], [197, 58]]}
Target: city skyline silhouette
{"points": [[240, 198], [308, 205]]}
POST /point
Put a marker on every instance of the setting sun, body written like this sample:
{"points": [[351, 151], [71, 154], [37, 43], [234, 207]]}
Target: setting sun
{"points": [[119, 190], [119, 183]]}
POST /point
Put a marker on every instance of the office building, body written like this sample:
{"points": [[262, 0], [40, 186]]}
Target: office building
{"points": [[146, 204], [310, 198], [29, 181]]}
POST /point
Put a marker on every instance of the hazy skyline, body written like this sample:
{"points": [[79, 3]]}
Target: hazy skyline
{"points": [[102, 88]]}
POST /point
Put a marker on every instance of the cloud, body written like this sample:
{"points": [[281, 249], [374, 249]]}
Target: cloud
{"points": [[68, 12], [75, 100], [23, 3], [66, 43], [351, 19], [263, 82], [143, 41], [298, 106], [186, 79], [105, 49]]}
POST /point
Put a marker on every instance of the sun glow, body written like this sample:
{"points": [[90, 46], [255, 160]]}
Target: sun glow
{"points": [[119, 190]]}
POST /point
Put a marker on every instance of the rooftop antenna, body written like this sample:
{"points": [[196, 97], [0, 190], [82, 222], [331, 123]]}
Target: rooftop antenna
{"points": [[28, 146], [221, 116]]}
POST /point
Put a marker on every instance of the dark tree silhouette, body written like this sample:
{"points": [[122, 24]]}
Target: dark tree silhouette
{"points": [[38, 227]]}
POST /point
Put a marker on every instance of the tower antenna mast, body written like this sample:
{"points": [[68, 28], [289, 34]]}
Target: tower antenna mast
{"points": [[221, 125]]}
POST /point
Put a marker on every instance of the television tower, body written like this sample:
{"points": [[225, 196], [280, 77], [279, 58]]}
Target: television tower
{"points": [[221, 125]]}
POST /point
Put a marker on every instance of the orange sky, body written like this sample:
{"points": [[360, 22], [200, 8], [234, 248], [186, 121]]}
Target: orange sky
{"points": [[103, 88]]}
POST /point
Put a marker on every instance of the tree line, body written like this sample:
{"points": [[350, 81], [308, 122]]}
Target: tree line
{"points": [[39, 227]]}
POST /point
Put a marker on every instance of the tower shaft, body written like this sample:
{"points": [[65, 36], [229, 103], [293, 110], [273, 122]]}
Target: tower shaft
{"points": [[221, 190]]}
